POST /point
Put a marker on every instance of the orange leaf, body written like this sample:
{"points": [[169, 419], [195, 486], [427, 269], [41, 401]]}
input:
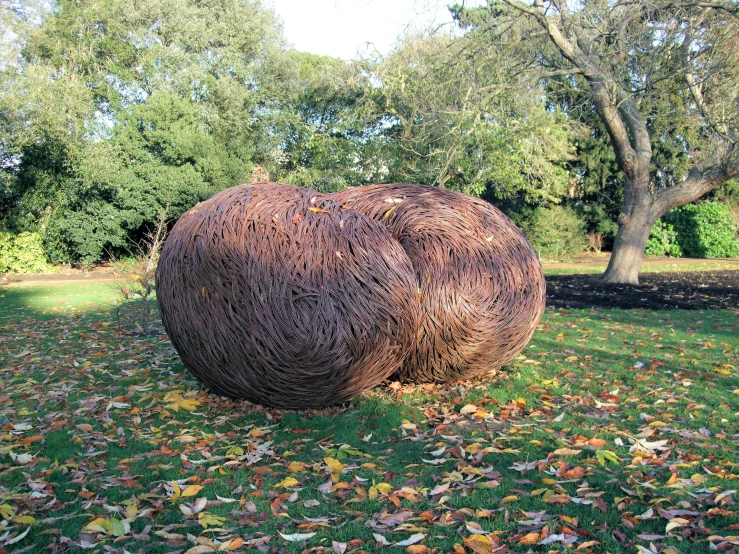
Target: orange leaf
{"points": [[530, 538]]}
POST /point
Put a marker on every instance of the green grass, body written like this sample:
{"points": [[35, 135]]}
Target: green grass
{"points": [[588, 269], [646, 268], [104, 416]]}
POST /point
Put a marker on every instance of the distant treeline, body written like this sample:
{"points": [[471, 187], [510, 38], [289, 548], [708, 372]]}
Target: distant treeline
{"points": [[112, 111]]}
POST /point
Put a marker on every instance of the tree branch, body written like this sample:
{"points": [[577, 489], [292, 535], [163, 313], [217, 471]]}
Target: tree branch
{"points": [[702, 179], [616, 108], [561, 73]]}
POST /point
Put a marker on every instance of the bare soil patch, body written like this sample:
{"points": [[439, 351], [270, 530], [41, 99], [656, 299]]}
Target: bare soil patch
{"points": [[695, 290]]}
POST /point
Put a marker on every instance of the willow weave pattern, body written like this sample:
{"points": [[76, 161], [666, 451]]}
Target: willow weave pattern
{"points": [[277, 294], [482, 287]]}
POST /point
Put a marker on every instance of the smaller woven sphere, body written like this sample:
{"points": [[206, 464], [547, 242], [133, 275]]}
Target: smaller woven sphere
{"points": [[481, 283], [277, 295]]}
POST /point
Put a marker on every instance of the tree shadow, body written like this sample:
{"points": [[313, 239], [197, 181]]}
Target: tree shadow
{"points": [[718, 290]]}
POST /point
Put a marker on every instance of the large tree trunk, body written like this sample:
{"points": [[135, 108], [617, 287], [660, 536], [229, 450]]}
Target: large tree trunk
{"points": [[628, 248], [638, 214]]}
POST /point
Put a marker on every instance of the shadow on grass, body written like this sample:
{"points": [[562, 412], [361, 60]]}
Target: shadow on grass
{"points": [[717, 290]]}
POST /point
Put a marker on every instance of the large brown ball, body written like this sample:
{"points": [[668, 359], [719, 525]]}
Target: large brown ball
{"points": [[278, 295], [482, 288]]}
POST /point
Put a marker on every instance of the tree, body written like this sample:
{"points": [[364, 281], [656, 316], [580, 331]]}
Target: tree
{"points": [[449, 118], [330, 138], [429, 113], [113, 109], [662, 77]]}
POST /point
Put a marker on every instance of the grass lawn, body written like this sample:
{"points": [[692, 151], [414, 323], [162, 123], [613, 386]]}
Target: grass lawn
{"points": [[588, 269], [616, 430]]}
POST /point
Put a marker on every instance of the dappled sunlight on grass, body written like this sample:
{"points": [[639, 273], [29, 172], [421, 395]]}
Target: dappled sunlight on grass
{"points": [[54, 300]]}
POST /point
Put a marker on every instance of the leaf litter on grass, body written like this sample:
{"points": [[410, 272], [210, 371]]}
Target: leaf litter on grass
{"points": [[615, 431]]}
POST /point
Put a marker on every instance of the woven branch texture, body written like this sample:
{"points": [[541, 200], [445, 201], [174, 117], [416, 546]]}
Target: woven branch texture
{"points": [[278, 295], [481, 283]]}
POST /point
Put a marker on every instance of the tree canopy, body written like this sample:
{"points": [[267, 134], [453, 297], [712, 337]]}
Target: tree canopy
{"points": [[113, 110]]}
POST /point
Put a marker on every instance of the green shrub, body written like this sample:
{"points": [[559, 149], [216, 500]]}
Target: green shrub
{"points": [[556, 233], [704, 230], [22, 253], [663, 241]]}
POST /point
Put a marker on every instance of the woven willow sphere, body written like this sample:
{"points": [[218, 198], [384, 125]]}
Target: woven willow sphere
{"points": [[276, 294], [482, 287]]}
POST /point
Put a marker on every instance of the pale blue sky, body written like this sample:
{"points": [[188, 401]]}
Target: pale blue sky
{"points": [[342, 28]]}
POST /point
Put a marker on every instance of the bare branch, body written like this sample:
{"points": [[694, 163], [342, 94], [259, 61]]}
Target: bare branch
{"points": [[560, 73], [702, 178]]}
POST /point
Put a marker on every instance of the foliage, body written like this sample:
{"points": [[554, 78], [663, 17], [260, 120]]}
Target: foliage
{"points": [[329, 142], [449, 119], [116, 109], [22, 253], [728, 193], [140, 271], [556, 233], [663, 241], [131, 454], [705, 230]]}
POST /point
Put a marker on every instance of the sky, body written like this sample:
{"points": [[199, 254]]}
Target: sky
{"points": [[343, 28]]}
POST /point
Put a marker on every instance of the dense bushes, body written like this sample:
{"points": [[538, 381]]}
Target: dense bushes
{"points": [[704, 230], [22, 253], [663, 241], [556, 233]]}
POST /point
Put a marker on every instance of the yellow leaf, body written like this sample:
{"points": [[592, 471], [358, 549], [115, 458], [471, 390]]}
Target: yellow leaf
{"points": [[319, 211], [287, 482], [511, 498], [6, 511], [209, 520], [384, 488], [97, 525], [698, 479], [177, 492], [335, 466], [296, 467], [192, 490], [723, 371], [658, 424], [27, 520], [189, 404]]}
